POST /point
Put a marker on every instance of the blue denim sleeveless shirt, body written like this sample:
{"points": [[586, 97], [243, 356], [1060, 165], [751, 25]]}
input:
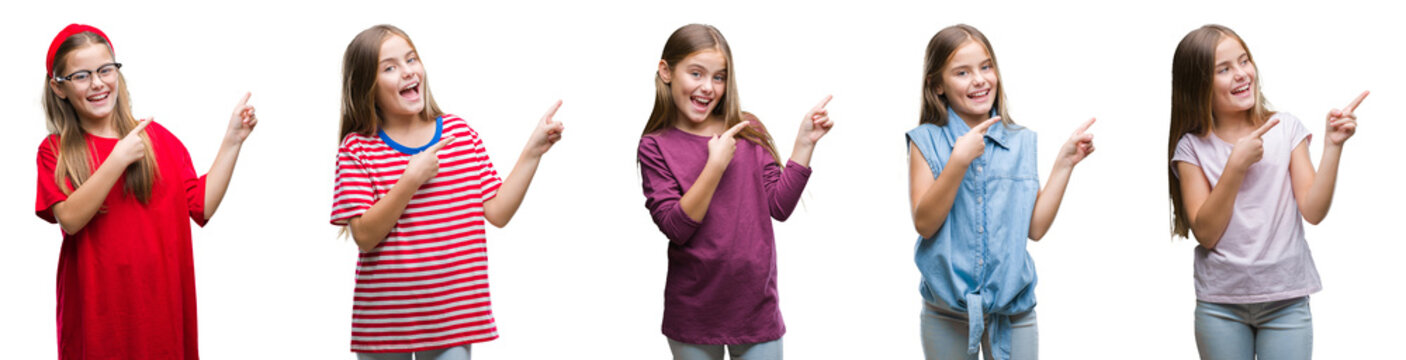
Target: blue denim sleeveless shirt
{"points": [[977, 261]]}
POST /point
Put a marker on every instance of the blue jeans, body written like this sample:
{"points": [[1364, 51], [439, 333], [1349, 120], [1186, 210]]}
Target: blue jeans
{"points": [[945, 335], [770, 350], [460, 352], [1270, 330]]}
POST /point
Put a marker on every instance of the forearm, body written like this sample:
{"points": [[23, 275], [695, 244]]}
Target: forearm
{"points": [[801, 152], [500, 209], [1320, 195], [1211, 218], [217, 179], [695, 201], [930, 212], [75, 212], [371, 228], [1048, 201]]}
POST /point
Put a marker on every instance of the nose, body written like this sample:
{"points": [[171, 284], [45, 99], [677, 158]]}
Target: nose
{"points": [[1239, 72], [979, 81], [707, 88]]}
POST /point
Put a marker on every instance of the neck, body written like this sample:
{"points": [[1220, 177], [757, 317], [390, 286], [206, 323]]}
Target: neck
{"points": [[1233, 120], [712, 126], [400, 121], [103, 127], [971, 119]]}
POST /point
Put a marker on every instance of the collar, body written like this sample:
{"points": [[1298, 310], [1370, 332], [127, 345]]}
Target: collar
{"points": [[997, 132]]}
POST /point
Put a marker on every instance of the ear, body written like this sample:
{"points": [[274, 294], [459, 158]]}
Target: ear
{"points": [[57, 89], [664, 72]]}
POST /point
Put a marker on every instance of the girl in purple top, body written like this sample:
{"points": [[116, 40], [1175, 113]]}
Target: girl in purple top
{"points": [[1241, 180], [714, 197]]}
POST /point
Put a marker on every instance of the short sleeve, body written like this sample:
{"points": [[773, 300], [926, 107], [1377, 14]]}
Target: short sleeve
{"points": [[1296, 132], [48, 192], [352, 193], [1185, 152], [193, 184], [923, 138], [491, 180]]}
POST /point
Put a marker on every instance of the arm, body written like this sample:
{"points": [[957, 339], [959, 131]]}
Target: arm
{"points": [[816, 124], [501, 208], [662, 193], [371, 228], [1314, 191], [1209, 209], [75, 212], [1078, 147], [241, 123], [720, 149], [932, 198]]}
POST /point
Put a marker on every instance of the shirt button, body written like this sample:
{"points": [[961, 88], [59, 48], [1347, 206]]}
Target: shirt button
{"points": [[978, 199], [979, 262], [979, 229], [978, 168]]}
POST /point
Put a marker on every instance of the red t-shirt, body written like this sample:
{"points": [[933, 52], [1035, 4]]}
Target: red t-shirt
{"points": [[126, 280]]}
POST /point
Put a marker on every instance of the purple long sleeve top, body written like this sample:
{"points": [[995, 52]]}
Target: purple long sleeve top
{"points": [[721, 287]]}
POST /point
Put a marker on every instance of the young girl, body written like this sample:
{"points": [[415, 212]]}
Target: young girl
{"points": [[124, 193], [714, 197], [1241, 180], [414, 186], [975, 199]]}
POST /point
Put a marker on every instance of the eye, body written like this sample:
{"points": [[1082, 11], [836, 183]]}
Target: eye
{"points": [[986, 67], [412, 60], [81, 76], [962, 73], [719, 78], [696, 74], [1222, 70], [389, 68]]}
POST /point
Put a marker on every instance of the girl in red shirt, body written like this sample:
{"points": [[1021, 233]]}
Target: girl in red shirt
{"points": [[122, 191]]}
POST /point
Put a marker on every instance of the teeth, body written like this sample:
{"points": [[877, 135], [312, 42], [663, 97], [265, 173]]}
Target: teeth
{"points": [[702, 100], [98, 98], [411, 86], [1242, 88], [983, 93]]}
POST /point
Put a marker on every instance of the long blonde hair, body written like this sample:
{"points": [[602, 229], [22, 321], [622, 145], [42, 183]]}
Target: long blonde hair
{"points": [[686, 41], [1193, 71], [75, 161], [360, 114]]}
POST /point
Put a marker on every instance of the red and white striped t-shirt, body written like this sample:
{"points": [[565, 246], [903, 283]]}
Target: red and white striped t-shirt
{"points": [[426, 286]]}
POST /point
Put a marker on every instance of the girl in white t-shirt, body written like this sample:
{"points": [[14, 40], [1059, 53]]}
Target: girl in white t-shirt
{"points": [[1240, 180]]}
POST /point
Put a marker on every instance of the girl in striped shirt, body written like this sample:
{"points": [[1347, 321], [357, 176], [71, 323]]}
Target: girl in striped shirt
{"points": [[414, 187]]}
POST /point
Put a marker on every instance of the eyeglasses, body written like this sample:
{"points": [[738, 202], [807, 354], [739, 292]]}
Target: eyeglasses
{"points": [[83, 77]]}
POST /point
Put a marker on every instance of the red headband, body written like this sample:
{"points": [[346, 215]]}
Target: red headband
{"points": [[70, 30]]}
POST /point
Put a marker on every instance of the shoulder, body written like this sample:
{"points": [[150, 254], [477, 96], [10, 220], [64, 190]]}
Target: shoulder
{"points": [[457, 126], [355, 143]]}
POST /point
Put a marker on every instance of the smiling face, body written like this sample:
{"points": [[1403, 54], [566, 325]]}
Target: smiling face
{"points": [[93, 96], [697, 84], [969, 82], [1233, 78], [398, 79]]}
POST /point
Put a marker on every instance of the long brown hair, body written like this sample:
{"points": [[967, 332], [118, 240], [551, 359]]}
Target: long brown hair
{"points": [[75, 161], [943, 45], [686, 41], [1193, 71], [360, 114]]}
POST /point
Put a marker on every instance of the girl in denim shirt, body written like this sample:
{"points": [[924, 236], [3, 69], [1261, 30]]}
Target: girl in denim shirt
{"points": [[1241, 180], [975, 199]]}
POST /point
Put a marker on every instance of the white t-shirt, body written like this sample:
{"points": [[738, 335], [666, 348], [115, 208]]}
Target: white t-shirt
{"points": [[1262, 255]]}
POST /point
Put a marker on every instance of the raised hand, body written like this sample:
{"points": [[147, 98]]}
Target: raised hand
{"points": [[972, 144], [1342, 124], [241, 121], [1250, 149], [424, 166], [817, 123], [1079, 145], [130, 148], [547, 133], [721, 146]]}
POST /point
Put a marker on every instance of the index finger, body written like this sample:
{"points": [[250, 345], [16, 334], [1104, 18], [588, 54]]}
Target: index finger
{"points": [[245, 100], [735, 128], [1353, 105], [140, 126], [1087, 124], [552, 111], [439, 145], [1265, 128], [824, 102], [986, 124]]}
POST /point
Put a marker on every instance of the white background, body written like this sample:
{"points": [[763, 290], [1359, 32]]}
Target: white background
{"points": [[580, 271]]}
